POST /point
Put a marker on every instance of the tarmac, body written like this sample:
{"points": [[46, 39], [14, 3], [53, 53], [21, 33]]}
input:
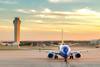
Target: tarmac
{"points": [[38, 58]]}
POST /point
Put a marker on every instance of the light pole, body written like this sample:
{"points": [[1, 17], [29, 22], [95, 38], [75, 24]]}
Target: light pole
{"points": [[62, 36]]}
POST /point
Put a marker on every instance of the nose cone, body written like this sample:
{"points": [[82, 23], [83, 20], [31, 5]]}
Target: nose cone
{"points": [[65, 51]]}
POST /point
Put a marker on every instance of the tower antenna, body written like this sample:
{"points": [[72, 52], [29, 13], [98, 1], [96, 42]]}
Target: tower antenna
{"points": [[62, 39]]}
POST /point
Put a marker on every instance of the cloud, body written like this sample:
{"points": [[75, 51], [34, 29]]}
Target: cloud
{"points": [[79, 15], [5, 20], [26, 11], [59, 1], [22, 11], [35, 21], [83, 13], [48, 13], [46, 10], [86, 11], [7, 28], [3, 27], [8, 2], [46, 16], [68, 1], [25, 29], [32, 11], [78, 12]]}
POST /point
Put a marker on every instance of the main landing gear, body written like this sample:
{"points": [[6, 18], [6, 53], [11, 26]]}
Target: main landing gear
{"points": [[55, 57]]}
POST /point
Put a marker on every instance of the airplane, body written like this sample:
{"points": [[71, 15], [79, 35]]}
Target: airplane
{"points": [[65, 52]]}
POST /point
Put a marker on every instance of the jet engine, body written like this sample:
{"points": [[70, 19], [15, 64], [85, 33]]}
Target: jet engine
{"points": [[76, 54], [50, 55]]}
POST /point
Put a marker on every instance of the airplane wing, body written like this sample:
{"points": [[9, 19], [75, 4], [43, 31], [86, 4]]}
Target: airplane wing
{"points": [[77, 54]]}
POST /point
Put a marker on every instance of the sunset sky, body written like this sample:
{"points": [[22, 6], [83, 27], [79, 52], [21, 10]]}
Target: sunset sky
{"points": [[44, 19]]}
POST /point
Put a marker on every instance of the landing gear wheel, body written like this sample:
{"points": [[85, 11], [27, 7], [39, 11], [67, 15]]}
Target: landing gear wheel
{"points": [[65, 59], [71, 57], [55, 57]]}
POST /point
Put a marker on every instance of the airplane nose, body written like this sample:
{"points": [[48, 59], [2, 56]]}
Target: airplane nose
{"points": [[65, 50]]}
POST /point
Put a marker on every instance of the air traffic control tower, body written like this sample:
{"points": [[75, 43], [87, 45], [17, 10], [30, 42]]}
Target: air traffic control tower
{"points": [[17, 23]]}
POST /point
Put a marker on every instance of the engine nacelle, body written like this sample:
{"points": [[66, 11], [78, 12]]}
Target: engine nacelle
{"points": [[77, 55], [50, 55]]}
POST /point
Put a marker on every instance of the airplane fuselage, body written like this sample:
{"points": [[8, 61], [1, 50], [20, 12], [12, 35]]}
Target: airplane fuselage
{"points": [[64, 51]]}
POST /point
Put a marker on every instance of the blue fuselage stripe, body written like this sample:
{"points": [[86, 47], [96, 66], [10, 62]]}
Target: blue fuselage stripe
{"points": [[64, 52]]}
